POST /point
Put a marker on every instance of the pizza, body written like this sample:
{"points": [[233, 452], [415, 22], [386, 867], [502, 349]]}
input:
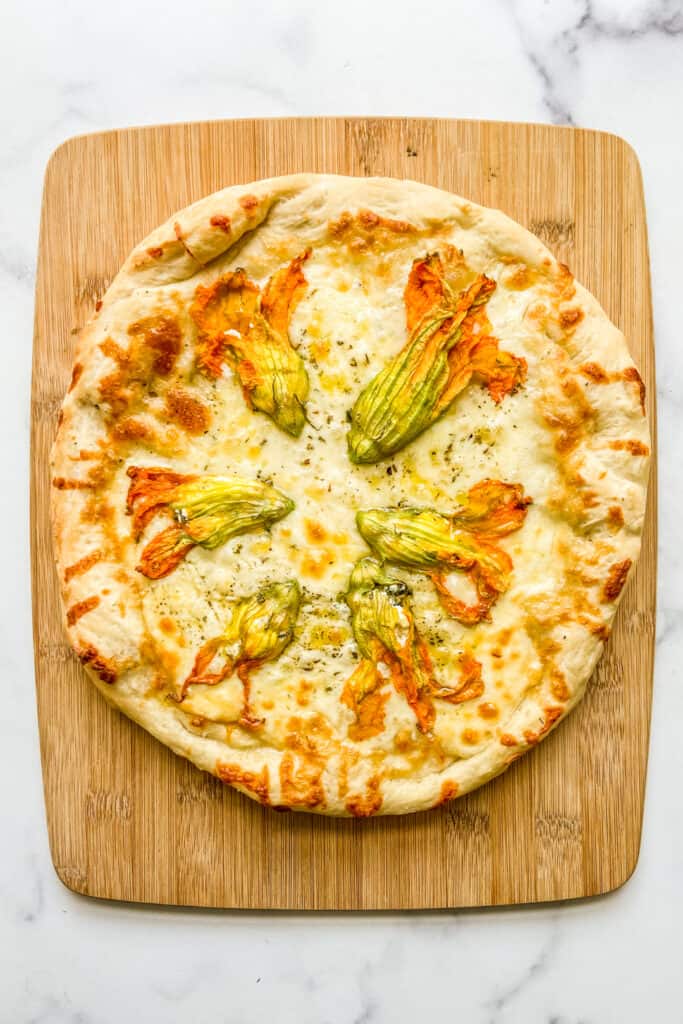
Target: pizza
{"points": [[348, 482]]}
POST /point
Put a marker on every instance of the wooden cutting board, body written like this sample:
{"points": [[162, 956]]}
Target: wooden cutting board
{"points": [[127, 819]]}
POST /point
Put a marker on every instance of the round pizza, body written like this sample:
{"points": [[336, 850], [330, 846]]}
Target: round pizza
{"points": [[348, 482]]}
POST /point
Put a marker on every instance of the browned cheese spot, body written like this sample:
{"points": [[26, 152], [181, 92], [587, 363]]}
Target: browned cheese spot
{"points": [[315, 532], [131, 429], [632, 375], [519, 277], [188, 412], [219, 221], [366, 231], [615, 581], [470, 736], [594, 372], [303, 692], [364, 806], [76, 611], [572, 418], [256, 783], [249, 204], [570, 318], [449, 790], [82, 565], [104, 668], [550, 716], [162, 336], [347, 759], [301, 783], [75, 375], [64, 484], [85, 456], [632, 447], [558, 685], [153, 349], [616, 516], [316, 567]]}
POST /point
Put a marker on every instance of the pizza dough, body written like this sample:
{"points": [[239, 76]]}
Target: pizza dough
{"points": [[348, 482]]}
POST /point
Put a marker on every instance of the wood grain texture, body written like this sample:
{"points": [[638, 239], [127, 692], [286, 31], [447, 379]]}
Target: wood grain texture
{"points": [[129, 820]]}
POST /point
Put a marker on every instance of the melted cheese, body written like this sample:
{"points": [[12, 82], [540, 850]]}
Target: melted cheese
{"points": [[346, 328]]}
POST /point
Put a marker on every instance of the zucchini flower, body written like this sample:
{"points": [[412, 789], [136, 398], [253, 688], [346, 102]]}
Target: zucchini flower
{"points": [[248, 328], [385, 631], [206, 511], [260, 628], [449, 342], [435, 544]]}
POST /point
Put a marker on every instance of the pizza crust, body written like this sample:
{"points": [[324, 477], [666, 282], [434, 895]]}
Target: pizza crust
{"points": [[581, 416]]}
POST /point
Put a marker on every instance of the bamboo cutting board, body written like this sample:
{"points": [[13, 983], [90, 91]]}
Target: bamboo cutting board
{"points": [[129, 820]]}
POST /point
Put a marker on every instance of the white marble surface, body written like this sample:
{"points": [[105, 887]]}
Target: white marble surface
{"points": [[77, 66]]}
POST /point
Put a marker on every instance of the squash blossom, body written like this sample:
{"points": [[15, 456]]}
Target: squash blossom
{"points": [[392, 651], [449, 342], [206, 511], [248, 328], [436, 544], [385, 632], [260, 628]]}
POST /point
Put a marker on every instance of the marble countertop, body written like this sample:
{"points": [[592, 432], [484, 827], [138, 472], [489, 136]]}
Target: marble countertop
{"points": [[77, 67]]}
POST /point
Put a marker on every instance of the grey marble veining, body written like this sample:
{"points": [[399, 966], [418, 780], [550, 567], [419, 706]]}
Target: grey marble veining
{"points": [[556, 37], [76, 67]]}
